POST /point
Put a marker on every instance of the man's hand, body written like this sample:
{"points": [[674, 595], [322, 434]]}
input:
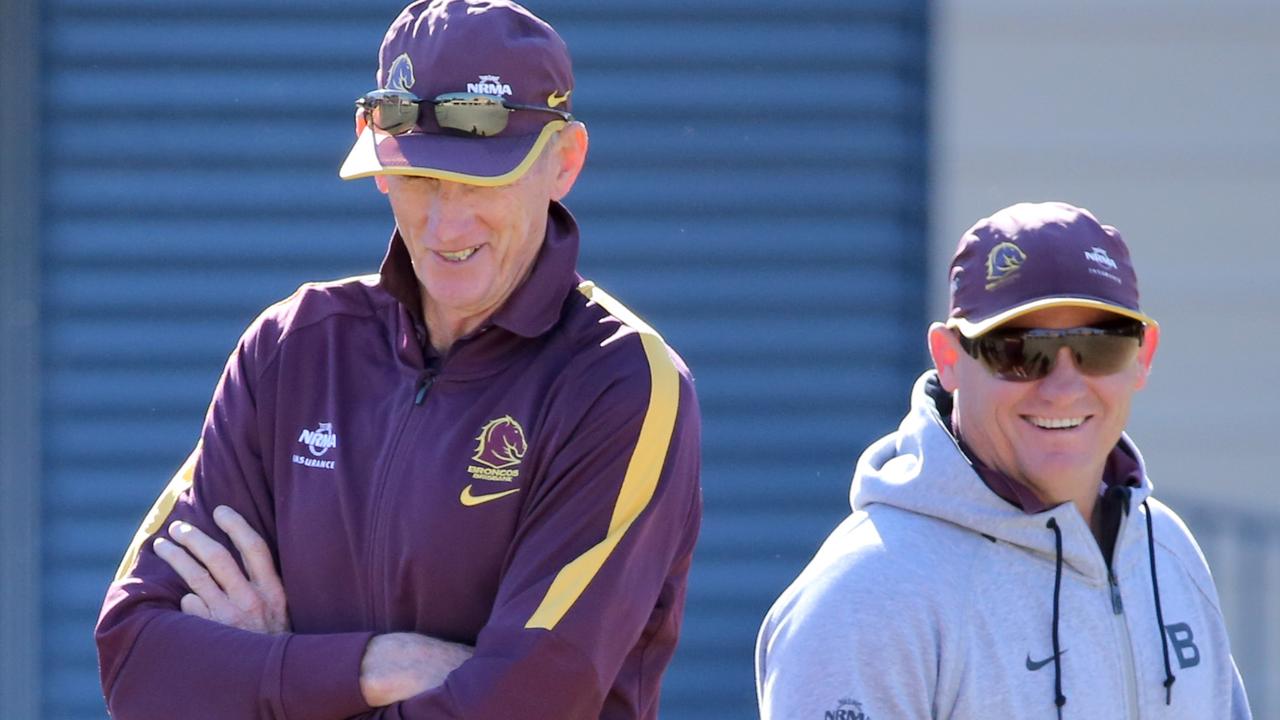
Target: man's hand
{"points": [[219, 591], [395, 667], [398, 666]]}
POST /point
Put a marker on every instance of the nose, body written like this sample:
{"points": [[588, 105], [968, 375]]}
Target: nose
{"points": [[451, 215], [1065, 382]]}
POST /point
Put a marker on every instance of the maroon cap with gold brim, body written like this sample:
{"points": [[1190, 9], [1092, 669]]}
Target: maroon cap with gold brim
{"points": [[1033, 256], [493, 47]]}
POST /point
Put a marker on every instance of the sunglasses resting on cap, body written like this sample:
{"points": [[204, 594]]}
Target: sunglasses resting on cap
{"points": [[396, 112]]}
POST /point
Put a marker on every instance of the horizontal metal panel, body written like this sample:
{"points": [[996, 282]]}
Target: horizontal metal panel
{"points": [[585, 205], [818, 431], [732, 483], [68, 698], [716, 623], [171, 342], [78, 590], [262, 190], [84, 547], [796, 527], [713, 579], [122, 437], [163, 342], [70, 642], [115, 291], [121, 292], [804, 141], [224, 245], [90, 89], [353, 245], [86, 543], [556, 11], [168, 42], [782, 340], [131, 390], [107, 490], [102, 394]]}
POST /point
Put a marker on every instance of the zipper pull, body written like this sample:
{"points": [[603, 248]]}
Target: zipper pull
{"points": [[424, 384], [1116, 604]]}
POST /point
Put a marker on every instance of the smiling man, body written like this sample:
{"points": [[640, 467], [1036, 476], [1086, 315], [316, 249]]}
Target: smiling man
{"points": [[1005, 558], [464, 487]]}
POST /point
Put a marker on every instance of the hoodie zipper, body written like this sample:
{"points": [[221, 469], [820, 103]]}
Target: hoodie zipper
{"points": [[1120, 622]]}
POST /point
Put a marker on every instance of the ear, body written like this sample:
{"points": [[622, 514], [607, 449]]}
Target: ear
{"points": [[945, 350], [1147, 353], [568, 155]]}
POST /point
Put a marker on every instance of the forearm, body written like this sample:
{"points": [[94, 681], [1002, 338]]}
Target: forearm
{"points": [[159, 663]]}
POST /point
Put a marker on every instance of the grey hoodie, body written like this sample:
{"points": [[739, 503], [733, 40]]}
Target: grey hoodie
{"points": [[936, 599]]}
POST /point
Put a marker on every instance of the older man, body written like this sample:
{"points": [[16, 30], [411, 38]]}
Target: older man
{"points": [[1005, 558], [464, 487]]}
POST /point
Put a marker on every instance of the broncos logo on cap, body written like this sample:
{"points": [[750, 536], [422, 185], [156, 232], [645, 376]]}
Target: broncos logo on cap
{"points": [[501, 443], [400, 75], [1003, 262]]}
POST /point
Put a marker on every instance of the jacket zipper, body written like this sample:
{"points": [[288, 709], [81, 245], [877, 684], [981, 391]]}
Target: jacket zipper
{"points": [[425, 381], [1121, 623], [424, 386], [1117, 605]]}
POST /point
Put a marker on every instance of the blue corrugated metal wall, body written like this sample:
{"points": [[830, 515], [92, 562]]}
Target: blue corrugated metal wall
{"points": [[755, 189]]}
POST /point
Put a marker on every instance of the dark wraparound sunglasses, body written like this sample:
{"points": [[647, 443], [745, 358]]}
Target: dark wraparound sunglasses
{"points": [[1026, 354], [395, 112]]}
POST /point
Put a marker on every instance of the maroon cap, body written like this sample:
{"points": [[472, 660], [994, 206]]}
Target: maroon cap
{"points": [[490, 47], [1031, 256]]}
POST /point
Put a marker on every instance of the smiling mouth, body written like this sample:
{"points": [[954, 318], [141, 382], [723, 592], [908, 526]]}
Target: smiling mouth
{"points": [[1045, 423], [457, 256]]}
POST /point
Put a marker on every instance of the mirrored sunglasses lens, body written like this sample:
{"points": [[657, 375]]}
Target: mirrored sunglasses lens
{"points": [[480, 115], [390, 111], [393, 117]]}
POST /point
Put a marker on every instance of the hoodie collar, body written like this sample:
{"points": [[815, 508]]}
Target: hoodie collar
{"points": [[533, 308], [921, 469], [1121, 469]]}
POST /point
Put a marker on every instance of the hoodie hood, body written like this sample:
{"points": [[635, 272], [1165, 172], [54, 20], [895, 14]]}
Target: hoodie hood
{"points": [[921, 469]]}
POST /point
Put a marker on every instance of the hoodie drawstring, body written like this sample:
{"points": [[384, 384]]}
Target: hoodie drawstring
{"points": [[1169, 677], [1060, 699]]}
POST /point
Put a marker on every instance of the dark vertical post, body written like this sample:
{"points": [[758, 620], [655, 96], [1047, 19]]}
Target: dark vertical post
{"points": [[20, 203]]}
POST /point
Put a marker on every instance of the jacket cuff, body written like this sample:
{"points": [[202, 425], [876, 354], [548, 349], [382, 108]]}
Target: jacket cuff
{"points": [[320, 675]]}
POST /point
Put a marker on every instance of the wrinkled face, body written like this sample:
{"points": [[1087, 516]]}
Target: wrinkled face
{"points": [[471, 246], [1052, 434]]}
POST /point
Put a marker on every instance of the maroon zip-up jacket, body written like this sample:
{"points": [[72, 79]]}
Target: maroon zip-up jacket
{"points": [[533, 493]]}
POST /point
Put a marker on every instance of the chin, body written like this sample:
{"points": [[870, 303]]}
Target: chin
{"points": [[1056, 475], [453, 291]]}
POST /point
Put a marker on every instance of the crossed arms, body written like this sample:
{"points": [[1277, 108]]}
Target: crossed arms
{"points": [[186, 632], [395, 666]]}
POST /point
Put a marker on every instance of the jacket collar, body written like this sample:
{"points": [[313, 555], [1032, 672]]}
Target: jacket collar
{"points": [[533, 308]]}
